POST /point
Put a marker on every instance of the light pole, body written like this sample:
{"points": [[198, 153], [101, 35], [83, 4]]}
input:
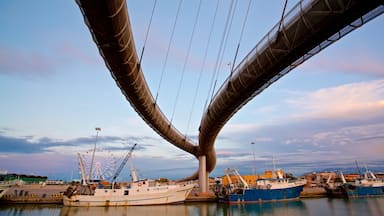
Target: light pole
{"points": [[254, 160], [93, 154]]}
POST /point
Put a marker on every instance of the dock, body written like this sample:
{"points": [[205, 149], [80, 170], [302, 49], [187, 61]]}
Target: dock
{"points": [[197, 196], [34, 193], [313, 192]]}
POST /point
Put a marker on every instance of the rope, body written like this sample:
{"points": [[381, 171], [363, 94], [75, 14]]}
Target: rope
{"points": [[146, 35], [202, 67], [241, 36], [186, 60], [169, 47]]}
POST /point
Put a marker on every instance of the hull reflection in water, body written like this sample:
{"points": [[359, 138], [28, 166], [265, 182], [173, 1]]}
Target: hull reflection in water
{"points": [[158, 210], [321, 206], [270, 208], [124, 210]]}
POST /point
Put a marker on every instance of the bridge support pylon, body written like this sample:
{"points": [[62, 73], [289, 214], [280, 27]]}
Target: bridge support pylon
{"points": [[203, 175]]}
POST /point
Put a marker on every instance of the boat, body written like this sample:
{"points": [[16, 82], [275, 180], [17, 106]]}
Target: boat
{"points": [[3, 189], [367, 185], [6, 185], [137, 192], [334, 185], [265, 190]]}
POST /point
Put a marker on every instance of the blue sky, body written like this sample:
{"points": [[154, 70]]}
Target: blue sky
{"points": [[55, 89]]}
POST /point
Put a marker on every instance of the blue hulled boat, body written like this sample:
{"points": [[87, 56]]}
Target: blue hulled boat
{"points": [[265, 190], [369, 185]]}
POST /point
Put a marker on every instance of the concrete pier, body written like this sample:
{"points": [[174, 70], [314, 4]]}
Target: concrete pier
{"points": [[34, 193]]}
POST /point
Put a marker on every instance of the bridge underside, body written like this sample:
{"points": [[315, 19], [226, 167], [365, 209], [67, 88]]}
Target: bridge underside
{"points": [[109, 24], [306, 30], [303, 31]]}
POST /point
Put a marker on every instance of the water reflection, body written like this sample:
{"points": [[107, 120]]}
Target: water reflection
{"points": [[270, 208], [124, 210], [202, 209], [313, 207], [30, 209]]}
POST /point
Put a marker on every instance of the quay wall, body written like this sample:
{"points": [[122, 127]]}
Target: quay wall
{"points": [[34, 193]]}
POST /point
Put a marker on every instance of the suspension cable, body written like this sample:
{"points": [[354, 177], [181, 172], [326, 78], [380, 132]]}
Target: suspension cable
{"points": [[186, 60], [146, 35], [241, 36], [225, 38], [202, 67], [169, 47], [282, 15], [214, 75]]}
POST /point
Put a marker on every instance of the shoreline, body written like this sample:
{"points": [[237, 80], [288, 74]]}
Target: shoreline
{"points": [[53, 194]]}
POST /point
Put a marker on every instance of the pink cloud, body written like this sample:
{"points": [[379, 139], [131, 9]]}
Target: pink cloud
{"points": [[359, 62], [349, 101], [23, 63], [74, 53]]}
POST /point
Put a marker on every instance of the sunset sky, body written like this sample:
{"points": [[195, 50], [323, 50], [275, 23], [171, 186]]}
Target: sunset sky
{"points": [[55, 90]]}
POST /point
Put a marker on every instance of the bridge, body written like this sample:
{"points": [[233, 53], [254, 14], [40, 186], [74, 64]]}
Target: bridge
{"points": [[305, 30]]}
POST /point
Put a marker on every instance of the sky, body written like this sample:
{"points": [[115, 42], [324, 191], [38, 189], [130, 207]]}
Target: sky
{"points": [[55, 90]]}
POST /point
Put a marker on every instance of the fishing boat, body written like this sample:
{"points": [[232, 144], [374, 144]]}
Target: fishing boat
{"points": [[3, 189], [265, 190], [334, 185], [6, 185], [137, 192], [368, 185]]}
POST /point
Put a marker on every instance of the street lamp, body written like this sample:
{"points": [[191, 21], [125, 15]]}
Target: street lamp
{"points": [[254, 160], [93, 154]]}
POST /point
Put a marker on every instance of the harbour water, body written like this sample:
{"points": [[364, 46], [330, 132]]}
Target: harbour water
{"points": [[320, 206]]}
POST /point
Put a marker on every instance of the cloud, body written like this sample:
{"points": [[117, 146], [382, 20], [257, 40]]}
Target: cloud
{"points": [[346, 101], [56, 158], [22, 145], [355, 62], [328, 127], [37, 63], [31, 144], [72, 52], [15, 62]]}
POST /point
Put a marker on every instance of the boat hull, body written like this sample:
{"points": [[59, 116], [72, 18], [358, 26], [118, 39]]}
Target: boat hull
{"points": [[335, 192], [124, 197], [264, 195], [352, 191]]}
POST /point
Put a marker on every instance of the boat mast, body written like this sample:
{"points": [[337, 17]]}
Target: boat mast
{"points": [[237, 174], [342, 177], [358, 168], [82, 169], [274, 168], [133, 171], [93, 154]]}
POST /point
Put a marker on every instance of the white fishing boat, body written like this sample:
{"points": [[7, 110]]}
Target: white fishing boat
{"points": [[143, 192], [138, 192]]}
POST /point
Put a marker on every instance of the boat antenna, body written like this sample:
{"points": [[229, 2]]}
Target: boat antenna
{"points": [[358, 168]]}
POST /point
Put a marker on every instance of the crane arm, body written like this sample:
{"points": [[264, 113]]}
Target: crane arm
{"points": [[118, 171], [82, 169]]}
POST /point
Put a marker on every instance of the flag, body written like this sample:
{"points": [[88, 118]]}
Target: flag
{"points": [[98, 129]]}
